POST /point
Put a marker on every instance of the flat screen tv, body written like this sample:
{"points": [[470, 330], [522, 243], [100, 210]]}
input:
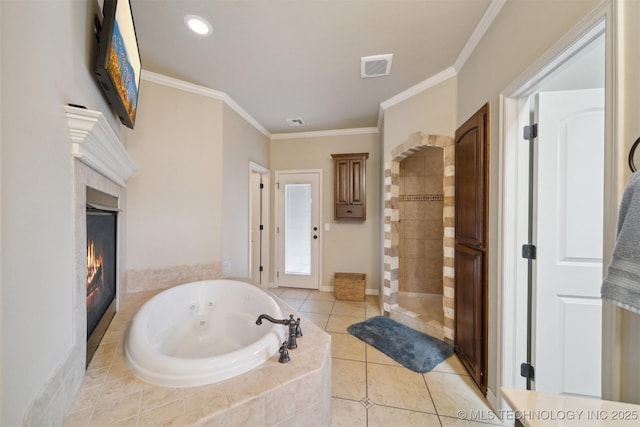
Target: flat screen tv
{"points": [[118, 65]]}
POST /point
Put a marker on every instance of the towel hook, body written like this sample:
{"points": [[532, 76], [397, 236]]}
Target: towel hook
{"points": [[632, 153]]}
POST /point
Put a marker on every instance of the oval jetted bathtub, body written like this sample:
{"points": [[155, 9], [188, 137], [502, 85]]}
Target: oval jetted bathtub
{"points": [[201, 333]]}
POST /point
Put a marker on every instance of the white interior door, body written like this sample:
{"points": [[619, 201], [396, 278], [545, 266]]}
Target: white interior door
{"points": [[298, 229], [255, 228], [259, 218], [568, 275]]}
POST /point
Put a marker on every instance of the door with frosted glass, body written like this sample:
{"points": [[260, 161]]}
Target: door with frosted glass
{"points": [[298, 229]]}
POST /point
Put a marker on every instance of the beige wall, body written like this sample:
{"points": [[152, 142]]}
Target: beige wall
{"points": [[243, 143], [506, 50], [347, 247], [432, 112], [47, 57], [173, 201]]}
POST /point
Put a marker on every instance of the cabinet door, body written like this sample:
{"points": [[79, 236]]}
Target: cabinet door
{"points": [[470, 183], [342, 182], [357, 186], [469, 306]]}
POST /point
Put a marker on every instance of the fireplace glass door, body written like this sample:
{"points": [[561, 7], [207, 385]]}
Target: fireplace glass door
{"points": [[101, 267]]}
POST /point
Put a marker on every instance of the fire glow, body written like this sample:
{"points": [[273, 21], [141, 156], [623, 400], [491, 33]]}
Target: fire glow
{"points": [[95, 272]]}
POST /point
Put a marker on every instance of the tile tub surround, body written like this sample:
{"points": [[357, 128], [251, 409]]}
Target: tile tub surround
{"points": [[164, 278], [274, 394]]}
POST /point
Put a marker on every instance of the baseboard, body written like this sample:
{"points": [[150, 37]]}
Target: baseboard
{"points": [[493, 400], [367, 291]]}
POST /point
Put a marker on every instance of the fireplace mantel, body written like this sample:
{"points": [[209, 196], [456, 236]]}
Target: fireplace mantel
{"points": [[94, 142]]}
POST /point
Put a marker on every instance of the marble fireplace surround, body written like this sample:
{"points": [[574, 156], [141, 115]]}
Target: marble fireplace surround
{"points": [[100, 162]]}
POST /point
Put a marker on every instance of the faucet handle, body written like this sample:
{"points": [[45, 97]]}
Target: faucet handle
{"points": [[284, 353], [298, 329]]}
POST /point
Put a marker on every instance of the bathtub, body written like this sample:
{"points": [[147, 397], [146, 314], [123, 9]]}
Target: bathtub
{"points": [[201, 333]]}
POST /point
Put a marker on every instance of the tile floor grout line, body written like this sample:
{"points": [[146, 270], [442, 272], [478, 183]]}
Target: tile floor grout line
{"points": [[409, 410], [433, 402]]}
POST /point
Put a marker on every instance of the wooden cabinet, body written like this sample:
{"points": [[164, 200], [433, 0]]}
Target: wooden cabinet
{"points": [[349, 189]]}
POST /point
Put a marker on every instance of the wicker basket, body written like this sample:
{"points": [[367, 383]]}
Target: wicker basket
{"points": [[349, 286]]}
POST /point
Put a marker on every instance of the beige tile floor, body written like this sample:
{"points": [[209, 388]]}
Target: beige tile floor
{"points": [[371, 389]]}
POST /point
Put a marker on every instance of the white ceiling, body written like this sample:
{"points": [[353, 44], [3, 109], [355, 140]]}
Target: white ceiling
{"points": [[281, 59]]}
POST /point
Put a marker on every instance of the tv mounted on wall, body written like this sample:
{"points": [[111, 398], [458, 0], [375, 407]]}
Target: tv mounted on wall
{"points": [[118, 66]]}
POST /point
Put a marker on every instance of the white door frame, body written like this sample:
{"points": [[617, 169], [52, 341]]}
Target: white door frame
{"points": [[278, 250], [512, 109], [264, 248]]}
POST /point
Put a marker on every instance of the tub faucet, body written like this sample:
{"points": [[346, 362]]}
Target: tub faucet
{"points": [[291, 322]]}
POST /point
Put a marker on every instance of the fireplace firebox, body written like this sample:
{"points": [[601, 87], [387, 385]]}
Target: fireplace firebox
{"points": [[102, 220]]}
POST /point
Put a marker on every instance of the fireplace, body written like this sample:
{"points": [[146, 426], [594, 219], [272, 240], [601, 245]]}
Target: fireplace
{"points": [[101, 162], [102, 220]]}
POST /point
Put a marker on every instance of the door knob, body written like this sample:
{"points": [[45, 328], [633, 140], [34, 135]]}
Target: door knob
{"points": [[315, 236], [315, 228]]}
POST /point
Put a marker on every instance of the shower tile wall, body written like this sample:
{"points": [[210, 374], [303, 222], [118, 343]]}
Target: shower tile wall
{"points": [[421, 225]]}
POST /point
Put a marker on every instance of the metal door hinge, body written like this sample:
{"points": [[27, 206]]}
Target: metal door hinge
{"points": [[261, 268], [530, 132], [261, 186], [527, 371], [529, 251], [261, 227]]}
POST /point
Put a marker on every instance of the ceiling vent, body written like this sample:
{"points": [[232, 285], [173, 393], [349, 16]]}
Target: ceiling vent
{"points": [[375, 66], [295, 122]]}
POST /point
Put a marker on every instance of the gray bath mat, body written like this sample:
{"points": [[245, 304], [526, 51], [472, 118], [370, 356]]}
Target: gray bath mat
{"points": [[412, 349]]}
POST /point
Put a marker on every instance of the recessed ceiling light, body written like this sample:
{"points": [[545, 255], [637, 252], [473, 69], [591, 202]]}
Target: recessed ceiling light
{"points": [[198, 25]]}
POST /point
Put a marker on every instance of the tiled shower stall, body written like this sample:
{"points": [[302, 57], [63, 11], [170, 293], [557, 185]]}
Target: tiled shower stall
{"points": [[419, 234]]}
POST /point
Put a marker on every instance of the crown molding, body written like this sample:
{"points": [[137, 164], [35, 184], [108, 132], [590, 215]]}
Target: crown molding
{"points": [[161, 79], [420, 87], [204, 91], [483, 25], [95, 143], [324, 133], [242, 113], [485, 22]]}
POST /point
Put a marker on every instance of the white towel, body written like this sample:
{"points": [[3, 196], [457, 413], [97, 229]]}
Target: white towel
{"points": [[621, 285]]}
